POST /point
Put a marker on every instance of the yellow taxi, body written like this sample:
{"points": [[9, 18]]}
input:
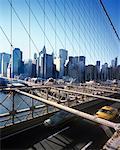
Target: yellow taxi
{"points": [[107, 112]]}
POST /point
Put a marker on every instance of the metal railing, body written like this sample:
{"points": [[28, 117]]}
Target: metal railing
{"points": [[16, 107]]}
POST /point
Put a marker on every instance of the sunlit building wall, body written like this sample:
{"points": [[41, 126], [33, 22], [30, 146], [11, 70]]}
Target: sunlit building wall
{"points": [[4, 63]]}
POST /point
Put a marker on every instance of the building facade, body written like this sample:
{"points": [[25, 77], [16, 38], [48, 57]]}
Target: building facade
{"points": [[104, 72], [97, 71], [5, 59], [63, 55], [16, 62], [89, 72], [46, 66], [82, 68]]}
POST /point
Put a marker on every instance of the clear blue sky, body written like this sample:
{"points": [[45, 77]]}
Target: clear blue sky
{"points": [[113, 8], [81, 27]]}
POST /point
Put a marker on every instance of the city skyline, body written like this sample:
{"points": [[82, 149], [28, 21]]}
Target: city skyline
{"points": [[95, 38], [37, 55], [45, 66]]}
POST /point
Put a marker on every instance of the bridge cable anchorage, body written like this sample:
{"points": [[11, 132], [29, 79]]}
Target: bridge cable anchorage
{"points": [[73, 111]]}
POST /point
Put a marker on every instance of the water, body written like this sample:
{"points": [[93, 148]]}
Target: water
{"points": [[20, 102]]}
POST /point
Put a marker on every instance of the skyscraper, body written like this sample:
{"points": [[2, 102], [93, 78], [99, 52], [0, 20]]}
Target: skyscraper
{"points": [[16, 62], [104, 72], [82, 68], [28, 68], [76, 68], [63, 54], [46, 67], [116, 61], [73, 68], [89, 72], [5, 59], [35, 63], [97, 71]]}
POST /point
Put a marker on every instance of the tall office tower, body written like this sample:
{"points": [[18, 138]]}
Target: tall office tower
{"points": [[76, 68], [28, 68], [118, 72], [35, 61], [104, 72], [42, 62], [5, 59], [73, 68], [116, 60], [97, 71], [113, 63], [57, 64], [9, 69], [63, 55], [89, 72], [16, 62], [82, 68], [114, 68], [46, 64]]}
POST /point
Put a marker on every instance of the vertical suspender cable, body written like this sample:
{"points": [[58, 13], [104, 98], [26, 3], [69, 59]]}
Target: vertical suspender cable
{"points": [[79, 27], [11, 25], [44, 22], [72, 28], [11, 46], [65, 21], [44, 73], [55, 29], [29, 32]]}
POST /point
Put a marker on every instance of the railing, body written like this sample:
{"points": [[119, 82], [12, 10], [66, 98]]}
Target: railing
{"points": [[16, 108]]}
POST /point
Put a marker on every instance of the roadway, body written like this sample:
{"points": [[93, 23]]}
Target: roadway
{"points": [[76, 134], [73, 135]]}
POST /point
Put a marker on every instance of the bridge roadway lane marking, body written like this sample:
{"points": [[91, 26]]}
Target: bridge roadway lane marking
{"points": [[57, 133], [87, 145], [49, 143]]}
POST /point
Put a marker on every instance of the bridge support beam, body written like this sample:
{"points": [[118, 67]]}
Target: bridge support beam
{"points": [[116, 126]]}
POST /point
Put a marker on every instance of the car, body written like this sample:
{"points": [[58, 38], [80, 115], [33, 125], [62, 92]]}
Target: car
{"points": [[58, 118], [107, 112]]}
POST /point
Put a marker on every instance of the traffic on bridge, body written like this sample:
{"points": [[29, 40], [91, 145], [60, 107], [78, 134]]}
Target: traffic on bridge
{"points": [[59, 75]]}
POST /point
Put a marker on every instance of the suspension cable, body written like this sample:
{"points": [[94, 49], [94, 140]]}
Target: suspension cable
{"points": [[23, 25], [108, 16]]}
